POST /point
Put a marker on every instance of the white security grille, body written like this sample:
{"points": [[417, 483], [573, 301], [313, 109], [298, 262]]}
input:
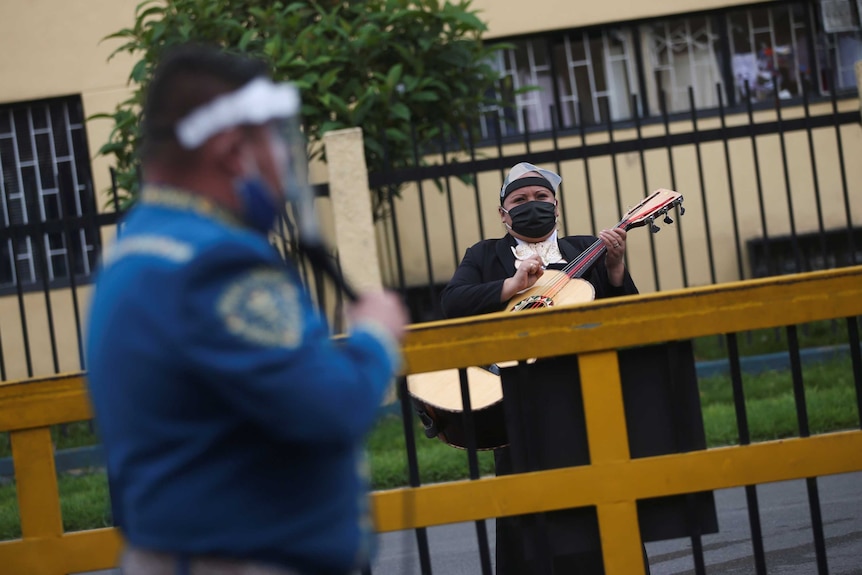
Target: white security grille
{"points": [[682, 53], [582, 75], [44, 177]]}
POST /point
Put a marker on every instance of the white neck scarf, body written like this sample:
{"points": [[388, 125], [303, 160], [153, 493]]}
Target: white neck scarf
{"points": [[548, 250]]}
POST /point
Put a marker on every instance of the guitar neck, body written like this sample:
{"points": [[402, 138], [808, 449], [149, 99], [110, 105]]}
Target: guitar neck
{"points": [[579, 266]]}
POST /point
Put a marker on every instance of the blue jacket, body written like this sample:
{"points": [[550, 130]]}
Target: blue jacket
{"points": [[233, 423]]}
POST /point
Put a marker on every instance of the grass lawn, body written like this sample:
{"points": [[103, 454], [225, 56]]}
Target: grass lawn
{"points": [[830, 400]]}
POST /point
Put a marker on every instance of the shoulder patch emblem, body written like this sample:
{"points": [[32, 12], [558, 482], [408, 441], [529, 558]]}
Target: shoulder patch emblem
{"points": [[263, 308]]}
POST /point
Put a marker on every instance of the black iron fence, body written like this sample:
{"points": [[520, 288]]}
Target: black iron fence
{"points": [[768, 189]]}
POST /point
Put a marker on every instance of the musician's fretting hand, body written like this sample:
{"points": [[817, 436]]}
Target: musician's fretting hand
{"points": [[615, 242], [530, 270]]}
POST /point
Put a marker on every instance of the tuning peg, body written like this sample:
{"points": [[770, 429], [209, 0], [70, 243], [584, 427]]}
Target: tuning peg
{"points": [[667, 219], [654, 228], [681, 210]]}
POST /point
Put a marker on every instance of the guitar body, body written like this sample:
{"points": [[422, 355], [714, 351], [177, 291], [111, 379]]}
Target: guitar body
{"points": [[571, 291], [437, 398], [437, 395]]}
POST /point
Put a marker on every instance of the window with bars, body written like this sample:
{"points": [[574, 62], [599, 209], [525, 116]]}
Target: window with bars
{"points": [[582, 76], [770, 53], [682, 53], [46, 191]]}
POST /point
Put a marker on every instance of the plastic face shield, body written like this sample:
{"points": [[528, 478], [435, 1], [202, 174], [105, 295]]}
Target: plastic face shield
{"points": [[259, 102]]}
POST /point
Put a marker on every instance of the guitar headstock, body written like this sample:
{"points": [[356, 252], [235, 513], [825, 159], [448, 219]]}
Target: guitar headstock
{"points": [[657, 204]]}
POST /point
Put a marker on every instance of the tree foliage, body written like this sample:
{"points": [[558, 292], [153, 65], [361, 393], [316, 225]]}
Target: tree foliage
{"points": [[399, 69]]}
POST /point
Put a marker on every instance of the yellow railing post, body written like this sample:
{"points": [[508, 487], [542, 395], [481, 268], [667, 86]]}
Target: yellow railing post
{"points": [[608, 440]]}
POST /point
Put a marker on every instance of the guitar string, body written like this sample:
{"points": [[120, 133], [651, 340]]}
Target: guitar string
{"points": [[587, 257], [572, 270]]}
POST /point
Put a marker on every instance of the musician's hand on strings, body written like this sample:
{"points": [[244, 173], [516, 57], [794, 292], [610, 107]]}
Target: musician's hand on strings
{"points": [[615, 242], [528, 272]]}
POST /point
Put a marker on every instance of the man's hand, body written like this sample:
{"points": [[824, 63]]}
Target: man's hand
{"points": [[530, 270], [382, 308], [615, 242]]}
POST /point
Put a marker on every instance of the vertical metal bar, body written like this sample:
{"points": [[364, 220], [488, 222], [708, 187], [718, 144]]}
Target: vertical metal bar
{"points": [[526, 133], [115, 194], [669, 145], [856, 362], [426, 241], [2, 359], [805, 431], [555, 86], [796, 375], [287, 236], [794, 238], [473, 463], [735, 217], [851, 242], [702, 183], [757, 179], [810, 35], [476, 194], [413, 470], [73, 287], [25, 335], [556, 147], [455, 255], [11, 244], [745, 439], [818, 200], [499, 141], [587, 180], [393, 217], [639, 60], [722, 24], [42, 234], [696, 542], [613, 155], [645, 182]]}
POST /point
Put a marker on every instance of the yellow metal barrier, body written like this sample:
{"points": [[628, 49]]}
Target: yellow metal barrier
{"points": [[613, 482]]}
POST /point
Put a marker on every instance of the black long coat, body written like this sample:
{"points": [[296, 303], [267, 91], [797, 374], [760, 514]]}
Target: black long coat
{"points": [[475, 289], [476, 285]]}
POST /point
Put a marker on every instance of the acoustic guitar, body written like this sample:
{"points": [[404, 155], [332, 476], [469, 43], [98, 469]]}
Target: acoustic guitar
{"points": [[436, 395]]}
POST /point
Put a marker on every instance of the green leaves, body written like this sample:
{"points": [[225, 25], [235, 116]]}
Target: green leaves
{"points": [[391, 67]]}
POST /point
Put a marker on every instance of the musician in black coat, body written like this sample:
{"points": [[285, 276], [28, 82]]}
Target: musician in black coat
{"points": [[491, 273]]}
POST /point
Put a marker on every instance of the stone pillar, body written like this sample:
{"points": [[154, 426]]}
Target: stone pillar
{"points": [[351, 207]]}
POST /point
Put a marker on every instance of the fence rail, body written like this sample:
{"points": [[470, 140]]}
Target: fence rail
{"points": [[613, 482]]}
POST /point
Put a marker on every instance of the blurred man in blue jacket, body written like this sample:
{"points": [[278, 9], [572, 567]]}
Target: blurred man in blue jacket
{"points": [[233, 423]]}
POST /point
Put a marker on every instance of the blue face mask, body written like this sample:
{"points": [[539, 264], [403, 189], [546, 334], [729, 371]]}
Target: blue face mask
{"points": [[258, 206]]}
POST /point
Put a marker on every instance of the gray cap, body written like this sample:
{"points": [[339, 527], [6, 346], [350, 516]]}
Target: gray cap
{"points": [[522, 168]]}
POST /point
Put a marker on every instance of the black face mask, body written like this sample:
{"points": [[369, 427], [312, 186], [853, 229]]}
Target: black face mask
{"points": [[533, 219]]}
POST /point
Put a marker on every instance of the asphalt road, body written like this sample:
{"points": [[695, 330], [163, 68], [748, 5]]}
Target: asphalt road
{"points": [[785, 522]]}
